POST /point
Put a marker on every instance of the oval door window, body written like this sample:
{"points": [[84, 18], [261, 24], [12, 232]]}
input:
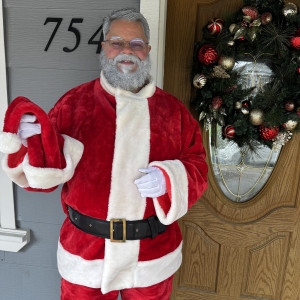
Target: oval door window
{"points": [[240, 172]]}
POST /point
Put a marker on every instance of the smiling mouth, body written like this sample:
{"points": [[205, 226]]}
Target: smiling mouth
{"points": [[126, 66], [127, 62]]}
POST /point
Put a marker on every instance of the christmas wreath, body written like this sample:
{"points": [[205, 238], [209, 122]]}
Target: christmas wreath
{"points": [[264, 34]]}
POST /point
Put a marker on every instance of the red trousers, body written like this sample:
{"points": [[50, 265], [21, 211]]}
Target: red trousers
{"points": [[159, 291]]}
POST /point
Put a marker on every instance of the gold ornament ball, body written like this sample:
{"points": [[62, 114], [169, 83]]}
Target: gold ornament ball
{"points": [[226, 62], [256, 116], [238, 105], [290, 125], [199, 81], [290, 9]]}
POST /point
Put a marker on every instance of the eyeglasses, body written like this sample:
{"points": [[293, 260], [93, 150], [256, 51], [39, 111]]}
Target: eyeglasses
{"points": [[119, 44]]}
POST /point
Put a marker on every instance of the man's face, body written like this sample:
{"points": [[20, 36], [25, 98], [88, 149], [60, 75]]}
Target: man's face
{"points": [[126, 65], [127, 31]]}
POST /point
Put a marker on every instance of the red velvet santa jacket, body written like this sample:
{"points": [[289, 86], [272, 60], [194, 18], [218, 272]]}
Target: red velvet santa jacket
{"points": [[109, 134]]}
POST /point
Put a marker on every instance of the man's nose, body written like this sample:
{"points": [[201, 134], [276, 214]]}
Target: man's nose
{"points": [[127, 49]]}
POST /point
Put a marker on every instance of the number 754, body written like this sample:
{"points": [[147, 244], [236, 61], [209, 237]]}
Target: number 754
{"points": [[76, 32]]}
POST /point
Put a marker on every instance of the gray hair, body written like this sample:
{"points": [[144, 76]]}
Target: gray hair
{"points": [[128, 14]]}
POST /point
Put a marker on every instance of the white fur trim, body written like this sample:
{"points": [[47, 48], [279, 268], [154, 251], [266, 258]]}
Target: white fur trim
{"points": [[15, 174], [157, 270], [77, 270], [45, 178], [88, 273], [9, 142], [179, 190], [132, 148]]}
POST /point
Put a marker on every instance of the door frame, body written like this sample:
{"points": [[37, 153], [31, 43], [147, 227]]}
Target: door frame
{"points": [[155, 12]]}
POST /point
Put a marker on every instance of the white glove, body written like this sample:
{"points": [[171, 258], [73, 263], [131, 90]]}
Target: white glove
{"points": [[153, 184], [27, 128]]}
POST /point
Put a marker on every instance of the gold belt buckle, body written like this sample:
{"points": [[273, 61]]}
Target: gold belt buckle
{"points": [[112, 230]]}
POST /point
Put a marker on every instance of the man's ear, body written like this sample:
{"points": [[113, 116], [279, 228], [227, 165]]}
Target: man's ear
{"points": [[149, 48], [102, 44]]}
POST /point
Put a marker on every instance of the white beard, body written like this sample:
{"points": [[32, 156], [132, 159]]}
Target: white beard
{"points": [[122, 76]]}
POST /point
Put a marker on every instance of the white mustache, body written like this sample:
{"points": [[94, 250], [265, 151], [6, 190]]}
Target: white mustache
{"points": [[126, 57]]}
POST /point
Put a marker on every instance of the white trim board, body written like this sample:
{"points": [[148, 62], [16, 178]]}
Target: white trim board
{"points": [[155, 12], [11, 239], [7, 214]]}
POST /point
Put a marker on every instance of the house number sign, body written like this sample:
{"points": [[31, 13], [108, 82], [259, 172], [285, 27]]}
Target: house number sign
{"points": [[74, 29]]}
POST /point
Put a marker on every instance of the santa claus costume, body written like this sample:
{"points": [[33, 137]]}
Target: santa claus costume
{"points": [[94, 141]]}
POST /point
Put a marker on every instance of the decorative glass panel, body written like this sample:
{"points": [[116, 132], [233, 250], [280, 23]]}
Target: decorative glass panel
{"points": [[240, 172]]}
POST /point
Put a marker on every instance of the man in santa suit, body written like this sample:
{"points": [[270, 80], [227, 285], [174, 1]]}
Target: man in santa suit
{"points": [[131, 161]]}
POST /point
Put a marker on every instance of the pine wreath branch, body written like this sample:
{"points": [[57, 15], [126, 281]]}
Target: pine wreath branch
{"points": [[277, 38]]}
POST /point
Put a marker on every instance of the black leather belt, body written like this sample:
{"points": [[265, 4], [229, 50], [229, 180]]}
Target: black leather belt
{"points": [[117, 230]]}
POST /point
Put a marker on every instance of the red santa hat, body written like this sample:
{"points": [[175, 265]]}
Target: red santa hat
{"points": [[43, 150]]}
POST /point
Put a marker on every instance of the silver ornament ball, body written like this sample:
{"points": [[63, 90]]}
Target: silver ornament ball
{"points": [[290, 9], [199, 81]]}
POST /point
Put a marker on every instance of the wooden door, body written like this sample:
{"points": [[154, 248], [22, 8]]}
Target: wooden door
{"points": [[233, 250]]}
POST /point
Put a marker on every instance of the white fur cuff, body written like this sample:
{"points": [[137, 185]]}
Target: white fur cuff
{"points": [[179, 191], [9, 142], [45, 178], [14, 174]]}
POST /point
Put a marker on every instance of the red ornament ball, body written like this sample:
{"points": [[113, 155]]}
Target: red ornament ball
{"points": [[229, 131], [289, 105], [247, 103], [295, 42], [268, 133], [207, 55], [250, 11], [216, 102], [266, 18], [215, 26]]}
